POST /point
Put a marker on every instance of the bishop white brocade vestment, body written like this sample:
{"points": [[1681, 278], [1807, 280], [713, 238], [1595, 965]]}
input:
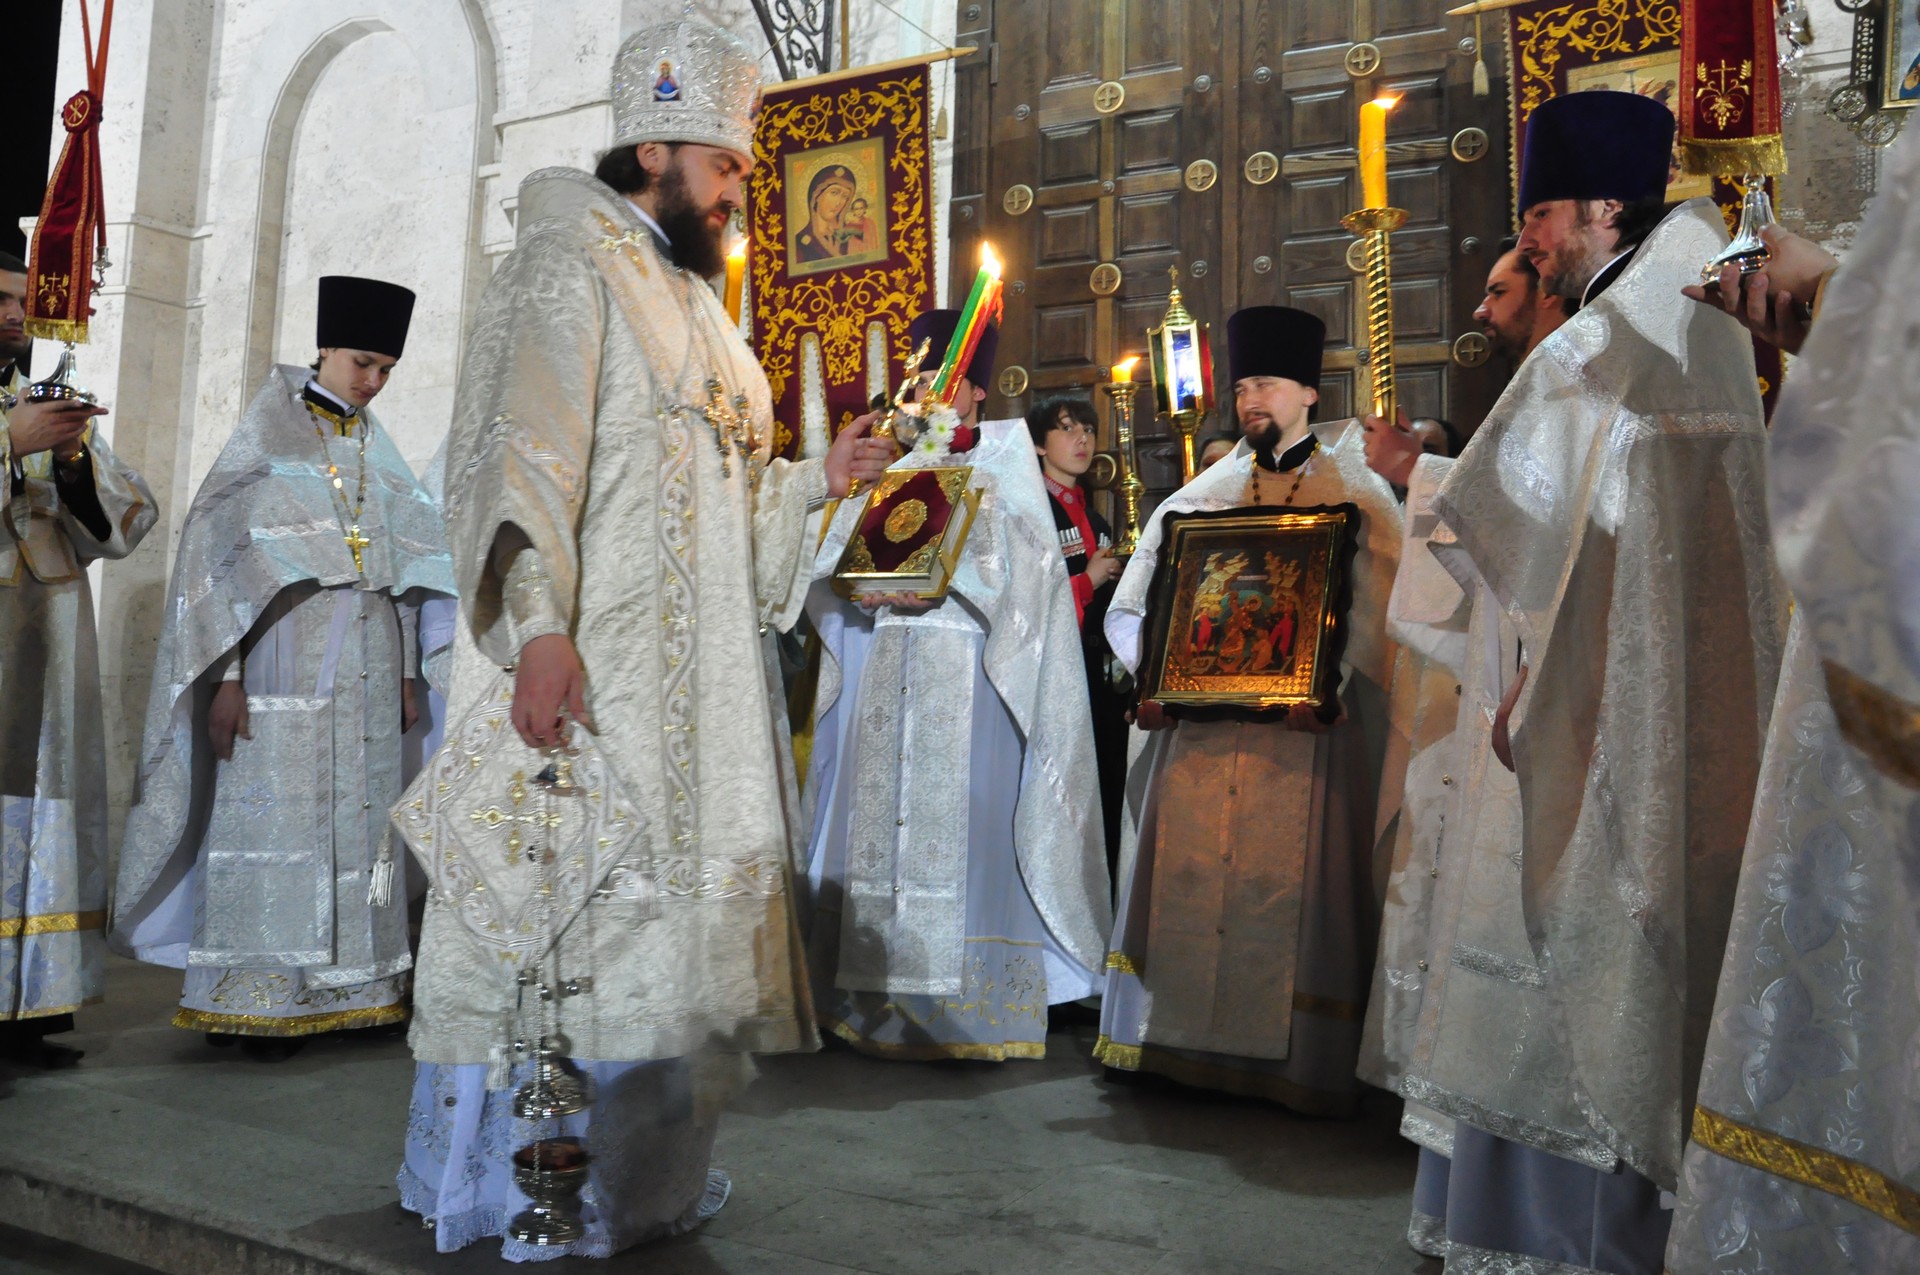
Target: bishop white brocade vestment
{"points": [[1607, 529], [1806, 1136], [589, 492], [252, 874], [53, 766], [1247, 912], [957, 862]]}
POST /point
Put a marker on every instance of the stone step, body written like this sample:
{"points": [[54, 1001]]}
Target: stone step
{"points": [[72, 1230], [23, 1253]]}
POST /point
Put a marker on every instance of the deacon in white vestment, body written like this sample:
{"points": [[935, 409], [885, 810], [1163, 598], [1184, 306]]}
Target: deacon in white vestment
{"points": [[1247, 913], [1605, 527], [65, 501], [623, 544], [957, 867], [1429, 613], [256, 857], [1806, 1134]]}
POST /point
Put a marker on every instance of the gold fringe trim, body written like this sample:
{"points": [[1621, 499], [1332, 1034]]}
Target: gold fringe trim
{"points": [[1125, 964], [49, 1012], [935, 1051], [200, 1020], [1878, 723], [1223, 1079], [72, 331], [1734, 156], [13, 927], [1872, 1190]]}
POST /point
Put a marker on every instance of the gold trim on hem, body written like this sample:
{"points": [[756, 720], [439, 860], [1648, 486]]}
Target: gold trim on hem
{"points": [[1877, 722], [25, 1015], [936, 1051], [200, 1020], [1124, 964], [1222, 1079], [13, 927], [1811, 1166], [1734, 156]]}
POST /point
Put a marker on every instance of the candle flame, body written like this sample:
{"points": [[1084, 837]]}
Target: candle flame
{"points": [[739, 250], [1387, 101], [1123, 370], [989, 262]]}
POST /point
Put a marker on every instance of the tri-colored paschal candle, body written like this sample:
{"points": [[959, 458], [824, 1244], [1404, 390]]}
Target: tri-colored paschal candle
{"points": [[1373, 151], [982, 308]]}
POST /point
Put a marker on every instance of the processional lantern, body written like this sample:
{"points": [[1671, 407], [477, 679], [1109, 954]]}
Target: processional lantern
{"points": [[1180, 353]]}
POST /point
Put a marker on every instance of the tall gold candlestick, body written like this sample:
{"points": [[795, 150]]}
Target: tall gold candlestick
{"points": [[1374, 225], [1132, 491]]}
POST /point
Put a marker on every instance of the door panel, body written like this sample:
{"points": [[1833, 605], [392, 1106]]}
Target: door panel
{"points": [[1262, 90]]}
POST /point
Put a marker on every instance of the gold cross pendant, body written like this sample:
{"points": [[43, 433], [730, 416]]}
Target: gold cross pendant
{"points": [[357, 542]]}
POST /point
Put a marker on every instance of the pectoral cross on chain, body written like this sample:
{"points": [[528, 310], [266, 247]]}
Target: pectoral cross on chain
{"points": [[356, 542], [732, 427]]}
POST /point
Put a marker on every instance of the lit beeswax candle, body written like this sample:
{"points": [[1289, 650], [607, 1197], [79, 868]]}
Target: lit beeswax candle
{"points": [[736, 280], [1373, 151]]}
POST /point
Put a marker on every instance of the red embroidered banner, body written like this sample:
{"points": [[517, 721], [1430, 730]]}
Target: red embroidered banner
{"points": [[1729, 106], [70, 238], [840, 234]]}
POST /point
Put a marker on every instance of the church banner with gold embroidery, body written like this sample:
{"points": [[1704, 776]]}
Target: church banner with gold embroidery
{"points": [[1730, 101], [840, 235]]}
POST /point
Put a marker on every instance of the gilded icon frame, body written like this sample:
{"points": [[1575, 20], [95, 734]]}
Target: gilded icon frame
{"points": [[1233, 586]]}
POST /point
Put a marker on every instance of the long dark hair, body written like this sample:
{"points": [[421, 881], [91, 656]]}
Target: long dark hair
{"points": [[620, 168]]}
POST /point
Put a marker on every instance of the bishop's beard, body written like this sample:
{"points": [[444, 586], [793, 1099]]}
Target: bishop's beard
{"points": [[695, 243]]}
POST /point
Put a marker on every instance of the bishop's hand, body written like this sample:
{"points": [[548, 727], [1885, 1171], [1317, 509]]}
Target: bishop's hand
{"points": [[857, 456], [549, 681]]}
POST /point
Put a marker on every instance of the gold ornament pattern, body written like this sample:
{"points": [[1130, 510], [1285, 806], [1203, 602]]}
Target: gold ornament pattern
{"points": [[1722, 90], [907, 517], [1593, 30], [838, 305]]}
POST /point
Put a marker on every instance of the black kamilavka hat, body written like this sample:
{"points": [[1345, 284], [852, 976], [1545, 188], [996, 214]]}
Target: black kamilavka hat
{"points": [[938, 327], [1596, 144], [363, 314], [1276, 340]]}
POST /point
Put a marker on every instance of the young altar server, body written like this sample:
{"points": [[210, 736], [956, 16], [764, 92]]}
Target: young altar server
{"points": [[256, 856], [958, 875]]}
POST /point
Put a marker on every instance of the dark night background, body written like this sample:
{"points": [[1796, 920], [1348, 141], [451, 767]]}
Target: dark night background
{"points": [[32, 28]]}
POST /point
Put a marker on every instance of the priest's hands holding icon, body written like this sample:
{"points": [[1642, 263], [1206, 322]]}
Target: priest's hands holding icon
{"points": [[857, 456], [549, 685]]}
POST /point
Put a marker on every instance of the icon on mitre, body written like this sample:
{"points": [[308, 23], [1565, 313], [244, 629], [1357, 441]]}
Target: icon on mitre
{"points": [[666, 88]]}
